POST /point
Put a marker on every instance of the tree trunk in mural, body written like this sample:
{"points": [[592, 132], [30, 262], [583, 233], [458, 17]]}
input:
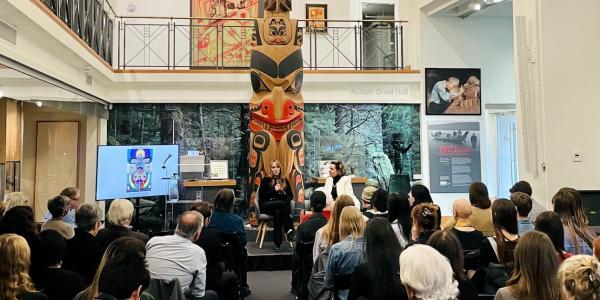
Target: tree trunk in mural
{"points": [[243, 166], [166, 126]]}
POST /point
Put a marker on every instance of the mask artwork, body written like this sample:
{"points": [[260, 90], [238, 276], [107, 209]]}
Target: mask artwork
{"points": [[276, 106]]}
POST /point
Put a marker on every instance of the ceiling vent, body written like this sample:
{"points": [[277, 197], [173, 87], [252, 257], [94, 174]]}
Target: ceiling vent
{"points": [[8, 33]]}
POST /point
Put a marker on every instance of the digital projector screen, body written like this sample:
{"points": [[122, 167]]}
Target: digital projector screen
{"points": [[135, 171]]}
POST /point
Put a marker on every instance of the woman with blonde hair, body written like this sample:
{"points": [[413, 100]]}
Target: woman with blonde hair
{"points": [[535, 267], [348, 253], [579, 278], [425, 218], [15, 283], [329, 234], [119, 217], [579, 236]]}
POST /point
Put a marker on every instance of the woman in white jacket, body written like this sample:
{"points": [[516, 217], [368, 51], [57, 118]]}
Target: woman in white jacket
{"points": [[338, 183]]}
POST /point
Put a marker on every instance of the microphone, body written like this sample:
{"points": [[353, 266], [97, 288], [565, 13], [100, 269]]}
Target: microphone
{"points": [[165, 162]]}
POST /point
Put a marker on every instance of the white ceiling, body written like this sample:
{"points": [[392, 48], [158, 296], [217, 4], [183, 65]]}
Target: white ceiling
{"points": [[502, 9]]}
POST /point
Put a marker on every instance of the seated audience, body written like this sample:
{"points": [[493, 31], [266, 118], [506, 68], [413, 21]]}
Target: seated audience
{"points": [[58, 208], [523, 204], [379, 205], [15, 199], [578, 234], [536, 207], [123, 277], [534, 275], [426, 274], [52, 280], [399, 216], [330, 234], [549, 223], [419, 194], [338, 183], [596, 249], [73, 194], [15, 282], [366, 197], [499, 248], [377, 278], [177, 257], [424, 218], [119, 217], [2, 209], [124, 246], [19, 220], [481, 216], [224, 283], [83, 251], [348, 253], [579, 278], [446, 243], [470, 238]]}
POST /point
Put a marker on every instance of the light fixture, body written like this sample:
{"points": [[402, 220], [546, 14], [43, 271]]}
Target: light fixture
{"points": [[475, 6], [1, 94], [38, 103]]}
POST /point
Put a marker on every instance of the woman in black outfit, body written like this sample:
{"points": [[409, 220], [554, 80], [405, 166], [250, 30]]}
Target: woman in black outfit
{"points": [[274, 198], [425, 218], [377, 278]]}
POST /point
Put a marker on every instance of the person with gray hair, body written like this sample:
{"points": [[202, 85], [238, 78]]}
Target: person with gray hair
{"points": [[120, 213], [83, 251], [59, 207], [176, 256]]}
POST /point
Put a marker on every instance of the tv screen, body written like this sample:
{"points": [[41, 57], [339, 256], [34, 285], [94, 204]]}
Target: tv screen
{"points": [[135, 171], [590, 201]]}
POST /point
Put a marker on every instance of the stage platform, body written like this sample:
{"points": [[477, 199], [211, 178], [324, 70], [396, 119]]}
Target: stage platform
{"points": [[267, 259]]}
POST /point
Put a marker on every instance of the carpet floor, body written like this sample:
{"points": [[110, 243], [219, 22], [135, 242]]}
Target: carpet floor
{"points": [[270, 285]]}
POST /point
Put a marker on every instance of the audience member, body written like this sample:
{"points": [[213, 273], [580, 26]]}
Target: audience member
{"points": [[377, 277], [52, 280], [15, 199], [15, 282], [274, 196], [578, 234], [470, 238], [2, 209], [366, 196], [579, 278], [549, 223], [399, 216], [534, 275], [58, 208], [426, 274], [419, 194], [123, 277], [348, 253], [83, 251], [119, 216], [536, 207], [224, 283], [338, 183], [596, 249], [19, 220], [523, 203], [379, 205], [74, 195], [176, 256], [424, 217], [330, 234], [446, 243], [481, 216], [499, 249]]}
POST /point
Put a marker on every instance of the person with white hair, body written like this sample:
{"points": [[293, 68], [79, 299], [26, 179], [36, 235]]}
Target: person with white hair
{"points": [[426, 274], [15, 199], [119, 217]]}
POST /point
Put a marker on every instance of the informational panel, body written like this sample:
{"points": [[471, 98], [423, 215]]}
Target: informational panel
{"points": [[454, 155]]}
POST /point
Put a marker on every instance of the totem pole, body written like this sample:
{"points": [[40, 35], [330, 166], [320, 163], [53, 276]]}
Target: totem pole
{"points": [[276, 107]]}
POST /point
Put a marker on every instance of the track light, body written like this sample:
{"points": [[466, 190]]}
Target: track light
{"points": [[1, 94], [475, 6], [38, 103]]}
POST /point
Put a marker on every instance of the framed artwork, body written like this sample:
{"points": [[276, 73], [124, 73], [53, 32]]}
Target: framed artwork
{"points": [[450, 91], [316, 12]]}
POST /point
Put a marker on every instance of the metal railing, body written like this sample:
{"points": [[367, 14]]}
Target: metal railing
{"points": [[205, 43]]}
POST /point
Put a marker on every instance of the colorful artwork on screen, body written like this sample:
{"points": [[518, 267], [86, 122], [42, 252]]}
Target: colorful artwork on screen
{"points": [[139, 172]]}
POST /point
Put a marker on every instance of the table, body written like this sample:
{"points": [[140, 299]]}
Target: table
{"points": [[208, 188]]}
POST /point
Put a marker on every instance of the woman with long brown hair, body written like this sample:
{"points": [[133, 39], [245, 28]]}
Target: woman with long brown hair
{"points": [[579, 236], [15, 283], [274, 196], [425, 218], [535, 267], [329, 234], [499, 249]]}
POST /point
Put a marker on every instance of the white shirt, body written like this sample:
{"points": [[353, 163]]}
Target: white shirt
{"points": [[174, 256], [343, 186]]}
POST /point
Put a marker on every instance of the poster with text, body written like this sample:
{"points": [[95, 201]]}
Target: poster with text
{"points": [[454, 155]]}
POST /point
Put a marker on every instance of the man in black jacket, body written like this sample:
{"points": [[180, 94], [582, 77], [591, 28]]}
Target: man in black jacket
{"points": [[83, 251]]}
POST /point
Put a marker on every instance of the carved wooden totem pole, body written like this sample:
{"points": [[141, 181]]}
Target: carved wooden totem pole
{"points": [[276, 106]]}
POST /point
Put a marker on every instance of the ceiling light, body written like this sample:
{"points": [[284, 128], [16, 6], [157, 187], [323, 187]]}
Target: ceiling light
{"points": [[1, 94], [38, 103], [497, 1], [475, 6]]}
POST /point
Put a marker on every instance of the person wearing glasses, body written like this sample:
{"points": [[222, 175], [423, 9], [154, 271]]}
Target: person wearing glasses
{"points": [[73, 194], [338, 183]]}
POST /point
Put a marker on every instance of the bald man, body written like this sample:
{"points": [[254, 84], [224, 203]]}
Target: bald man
{"points": [[469, 237]]}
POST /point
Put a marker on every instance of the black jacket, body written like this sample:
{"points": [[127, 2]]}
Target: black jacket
{"points": [[112, 232], [83, 255]]}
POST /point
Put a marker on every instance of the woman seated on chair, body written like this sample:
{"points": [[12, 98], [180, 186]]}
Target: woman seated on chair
{"points": [[274, 196], [338, 183]]}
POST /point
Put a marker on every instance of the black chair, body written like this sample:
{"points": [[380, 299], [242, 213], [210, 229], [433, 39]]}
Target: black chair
{"points": [[341, 282], [471, 257], [303, 256], [234, 253]]}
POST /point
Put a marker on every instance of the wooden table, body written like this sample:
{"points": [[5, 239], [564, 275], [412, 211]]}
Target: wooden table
{"points": [[208, 188]]}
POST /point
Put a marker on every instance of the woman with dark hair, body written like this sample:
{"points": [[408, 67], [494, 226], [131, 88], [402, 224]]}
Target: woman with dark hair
{"points": [[425, 218], [535, 270], [274, 196], [338, 183], [379, 205], [549, 223], [223, 219], [481, 216], [377, 278], [19, 220], [419, 194], [579, 236], [446, 243], [499, 248], [399, 216]]}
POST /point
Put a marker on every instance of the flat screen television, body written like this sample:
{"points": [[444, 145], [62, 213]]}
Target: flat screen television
{"points": [[590, 201], [135, 171]]}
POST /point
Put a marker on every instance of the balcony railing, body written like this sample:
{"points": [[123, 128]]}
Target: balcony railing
{"points": [[203, 43]]}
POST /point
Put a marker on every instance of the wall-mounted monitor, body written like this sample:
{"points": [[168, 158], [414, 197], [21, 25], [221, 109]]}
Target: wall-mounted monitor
{"points": [[590, 201]]}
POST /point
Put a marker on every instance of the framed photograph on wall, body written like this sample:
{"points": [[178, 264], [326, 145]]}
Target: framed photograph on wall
{"points": [[317, 12], [452, 91]]}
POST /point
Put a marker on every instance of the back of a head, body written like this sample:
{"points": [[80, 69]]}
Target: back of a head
{"points": [[462, 209], [224, 200], [579, 277], [549, 223], [203, 208], [352, 222], [54, 246], [504, 216], [421, 194], [399, 210], [331, 230], [15, 257], [367, 193], [567, 204], [425, 215], [428, 273], [70, 192], [58, 206], [381, 250], [120, 212], [19, 220], [123, 275], [318, 200], [523, 187], [15, 199], [87, 215], [523, 203], [478, 195], [190, 222], [447, 244], [379, 200]]}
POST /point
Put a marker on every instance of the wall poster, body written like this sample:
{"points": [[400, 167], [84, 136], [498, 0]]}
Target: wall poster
{"points": [[454, 155], [453, 91]]}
